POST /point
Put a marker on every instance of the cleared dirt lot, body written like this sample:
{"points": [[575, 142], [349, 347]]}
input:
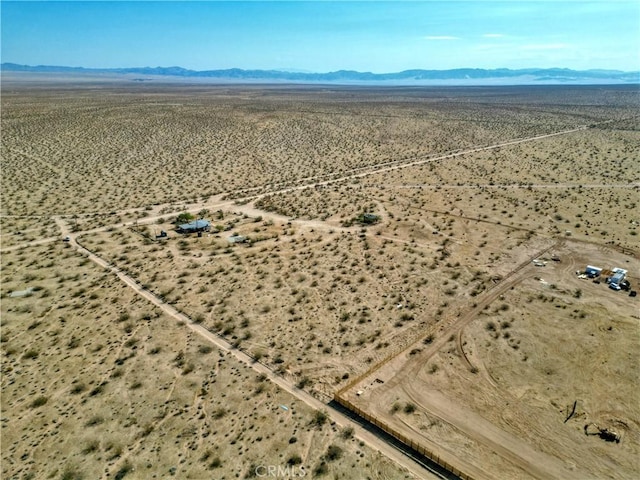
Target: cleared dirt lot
{"points": [[519, 363], [465, 345]]}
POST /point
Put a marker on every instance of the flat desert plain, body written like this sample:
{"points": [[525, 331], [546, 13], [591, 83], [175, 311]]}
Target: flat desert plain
{"points": [[409, 252]]}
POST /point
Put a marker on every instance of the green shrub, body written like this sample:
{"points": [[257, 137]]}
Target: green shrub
{"points": [[320, 417], [334, 452], [409, 408], [347, 433], [39, 401]]}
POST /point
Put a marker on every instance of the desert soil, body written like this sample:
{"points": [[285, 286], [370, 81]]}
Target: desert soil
{"points": [[128, 355]]}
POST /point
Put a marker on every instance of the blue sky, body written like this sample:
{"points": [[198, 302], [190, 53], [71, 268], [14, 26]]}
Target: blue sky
{"points": [[324, 36]]}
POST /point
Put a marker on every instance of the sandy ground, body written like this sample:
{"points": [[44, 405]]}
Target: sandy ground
{"points": [[488, 352], [525, 357], [97, 383]]}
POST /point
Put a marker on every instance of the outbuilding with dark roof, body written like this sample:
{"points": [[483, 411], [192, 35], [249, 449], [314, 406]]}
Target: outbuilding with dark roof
{"points": [[200, 225]]}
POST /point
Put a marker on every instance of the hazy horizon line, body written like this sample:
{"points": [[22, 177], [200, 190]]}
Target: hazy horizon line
{"points": [[317, 72]]}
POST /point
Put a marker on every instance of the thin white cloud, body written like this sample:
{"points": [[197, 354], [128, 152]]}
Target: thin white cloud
{"points": [[493, 35], [441, 37], [546, 46]]}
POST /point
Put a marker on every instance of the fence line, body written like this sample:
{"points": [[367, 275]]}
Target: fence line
{"points": [[422, 450], [397, 351], [393, 354]]}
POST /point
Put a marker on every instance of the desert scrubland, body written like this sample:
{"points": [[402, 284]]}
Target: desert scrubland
{"points": [[432, 317], [577, 185], [520, 361], [340, 300], [98, 383], [99, 151]]}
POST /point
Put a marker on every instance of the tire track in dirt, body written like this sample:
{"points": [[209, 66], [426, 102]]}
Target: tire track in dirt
{"points": [[455, 327], [493, 294], [517, 275], [519, 453], [445, 330], [342, 420], [408, 371]]}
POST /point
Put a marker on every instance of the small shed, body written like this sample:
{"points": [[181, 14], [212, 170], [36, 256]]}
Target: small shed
{"points": [[200, 225], [238, 239], [368, 218], [617, 278], [592, 272]]}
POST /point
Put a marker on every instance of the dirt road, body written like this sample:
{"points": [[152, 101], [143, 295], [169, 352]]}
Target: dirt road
{"points": [[373, 441], [244, 204], [404, 374], [535, 463]]}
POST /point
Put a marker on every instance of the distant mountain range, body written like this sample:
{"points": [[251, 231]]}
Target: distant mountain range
{"points": [[474, 76]]}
